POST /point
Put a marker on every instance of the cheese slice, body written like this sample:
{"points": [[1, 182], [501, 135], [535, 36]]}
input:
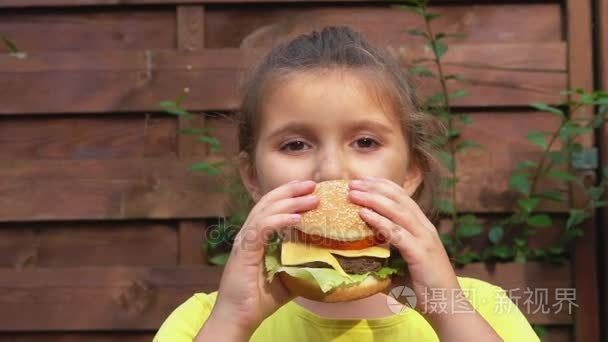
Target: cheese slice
{"points": [[299, 253]]}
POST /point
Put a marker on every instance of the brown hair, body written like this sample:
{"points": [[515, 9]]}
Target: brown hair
{"points": [[342, 48]]}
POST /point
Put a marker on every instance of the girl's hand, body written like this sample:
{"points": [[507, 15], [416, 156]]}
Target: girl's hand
{"points": [[399, 219], [245, 298], [396, 216]]}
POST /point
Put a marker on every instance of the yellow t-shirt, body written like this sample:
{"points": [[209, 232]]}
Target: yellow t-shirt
{"points": [[292, 322]]}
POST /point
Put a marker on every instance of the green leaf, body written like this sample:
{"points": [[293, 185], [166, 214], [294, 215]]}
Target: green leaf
{"points": [[458, 93], [502, 252], [447, 182], [525, 164], [431, 16], [465, 119], [551, 195], [546, 108], [576, 217], [212, 141], [528, 204], [540, 330], [466, 144], [496, 234], [171, 108], [417, 32], [219, 259], [571, 129], [468, 226], [435, 99], [208, 168], [454, 77], [421, 71], [561, 175], [439, 48], [445, 206], [10, 45], [538, 138], [520, 181], [599, 204], [557, 157], [467, 257], [194, 131], [571, 234], [541, 220], [447, 160]]}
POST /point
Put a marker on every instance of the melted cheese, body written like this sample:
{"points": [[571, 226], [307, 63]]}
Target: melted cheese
{"points": [[299, 253]]}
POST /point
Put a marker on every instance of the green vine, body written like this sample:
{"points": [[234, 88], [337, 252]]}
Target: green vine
{"points": [[554, 164]]}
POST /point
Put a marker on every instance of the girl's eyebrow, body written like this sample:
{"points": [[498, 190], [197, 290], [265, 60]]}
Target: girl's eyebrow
{"points": [[305, 128]]}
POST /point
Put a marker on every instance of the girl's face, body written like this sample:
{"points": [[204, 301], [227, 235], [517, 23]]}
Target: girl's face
{"points": [[324, 127]]}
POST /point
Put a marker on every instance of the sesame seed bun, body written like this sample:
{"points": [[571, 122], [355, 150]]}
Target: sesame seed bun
{"points": [[336, 217]]}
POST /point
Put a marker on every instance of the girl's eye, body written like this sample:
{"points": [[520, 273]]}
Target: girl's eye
{"points": [[366, 142], [294, 146]]}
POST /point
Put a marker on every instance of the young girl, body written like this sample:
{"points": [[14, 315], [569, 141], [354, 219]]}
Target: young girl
{"points": [[330, 106]]}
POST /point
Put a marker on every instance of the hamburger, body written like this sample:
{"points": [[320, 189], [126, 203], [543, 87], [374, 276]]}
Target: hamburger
{"points": [[331, 255]]}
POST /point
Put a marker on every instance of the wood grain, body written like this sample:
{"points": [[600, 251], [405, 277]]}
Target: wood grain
{"points": [[85, 137], [481, 23], [87, 29], [580, 66], [116, 298], [61, 244], [137, 81], [154, 188]]}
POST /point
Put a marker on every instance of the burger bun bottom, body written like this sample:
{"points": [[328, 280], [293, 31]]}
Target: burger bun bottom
{"points": [[304, 288]]}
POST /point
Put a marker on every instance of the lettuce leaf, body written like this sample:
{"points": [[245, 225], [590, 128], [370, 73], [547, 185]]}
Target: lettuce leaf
{"points": [[327, 278]]}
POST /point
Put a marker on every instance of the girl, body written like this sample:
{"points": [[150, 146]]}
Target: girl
{"points": [[330, 106]]}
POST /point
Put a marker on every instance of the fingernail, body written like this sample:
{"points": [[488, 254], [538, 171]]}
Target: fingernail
{"points": [[293, 181], [295, 217], [356, 182]]}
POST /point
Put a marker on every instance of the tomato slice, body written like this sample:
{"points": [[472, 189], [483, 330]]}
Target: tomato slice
{"points": [[337, 244]]}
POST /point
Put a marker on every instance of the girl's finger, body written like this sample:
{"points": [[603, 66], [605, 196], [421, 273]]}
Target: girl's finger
{"points": [[393, 233], [389, 209], [394, 192], [287, 190], [253, 240], [292, 205]]}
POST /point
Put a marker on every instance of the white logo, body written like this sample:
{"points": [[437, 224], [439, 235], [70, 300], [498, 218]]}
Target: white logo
{"points": [[400, 298]]}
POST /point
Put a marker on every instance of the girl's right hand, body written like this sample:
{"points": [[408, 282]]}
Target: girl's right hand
{"points": [[245, 298]]}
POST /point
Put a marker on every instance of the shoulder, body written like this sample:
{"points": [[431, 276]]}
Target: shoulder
{"points": [[186, 320], [495, 306]]}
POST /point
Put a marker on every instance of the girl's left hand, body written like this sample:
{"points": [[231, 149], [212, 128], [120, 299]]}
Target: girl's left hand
{"points": [[397, 217]]}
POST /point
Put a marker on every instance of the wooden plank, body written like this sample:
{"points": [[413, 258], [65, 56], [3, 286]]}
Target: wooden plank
{"points": [[138, 81], [116, 298], [160, 188], [580, 67], [484, 173], [191, 37], [58, 244], [59, 3], [495, 22], [191, 240], [80, 137], [139, 299], [90, 29], [602, 20], [78, 336], [515, 278]]}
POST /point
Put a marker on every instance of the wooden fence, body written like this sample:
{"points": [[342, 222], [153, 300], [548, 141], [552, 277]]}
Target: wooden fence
{"points": [[101, 219]]}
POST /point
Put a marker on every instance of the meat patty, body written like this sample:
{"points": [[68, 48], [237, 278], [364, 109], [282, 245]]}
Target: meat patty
{"points": [[356, 265]]}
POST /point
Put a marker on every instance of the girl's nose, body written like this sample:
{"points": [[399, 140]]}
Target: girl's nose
{"points": [[332, 164]]}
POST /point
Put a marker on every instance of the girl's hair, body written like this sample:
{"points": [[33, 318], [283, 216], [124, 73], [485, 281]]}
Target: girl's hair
{"points": [[341, 48]]}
